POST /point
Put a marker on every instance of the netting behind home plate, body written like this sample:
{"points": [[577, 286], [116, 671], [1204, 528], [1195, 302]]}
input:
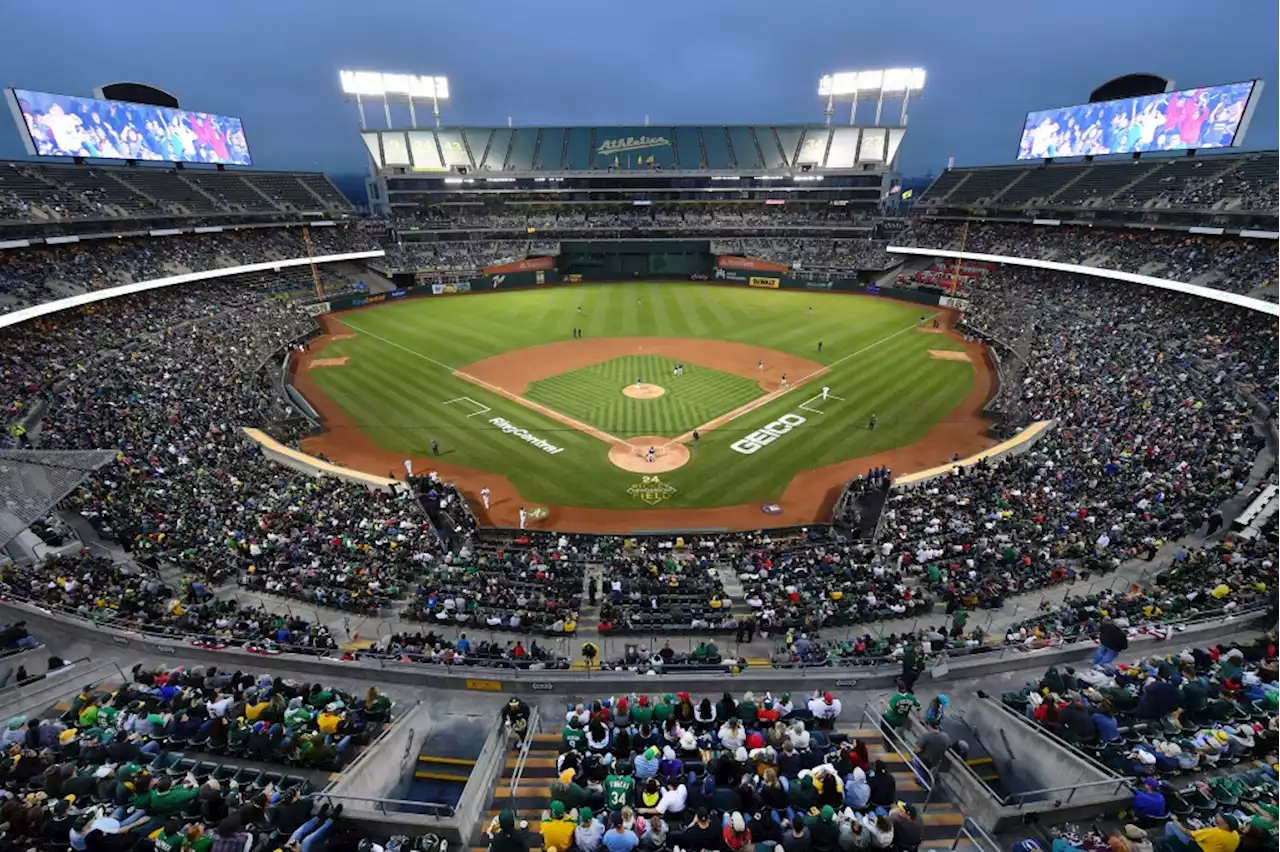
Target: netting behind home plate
{"points": [[33, 481]]}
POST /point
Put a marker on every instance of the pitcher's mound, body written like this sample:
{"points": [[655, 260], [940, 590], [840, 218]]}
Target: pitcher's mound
{"points": [[644, 391], [632, 456]]}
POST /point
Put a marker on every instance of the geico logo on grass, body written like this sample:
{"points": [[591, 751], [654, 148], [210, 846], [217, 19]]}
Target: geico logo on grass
{"points": [[767, 434]]}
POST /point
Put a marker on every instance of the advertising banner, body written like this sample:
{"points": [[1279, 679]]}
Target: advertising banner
{"points": [[398, 294], [317, 309], [816, 285], [766, 283], [529, 264], [749, 264], [725, 275]]}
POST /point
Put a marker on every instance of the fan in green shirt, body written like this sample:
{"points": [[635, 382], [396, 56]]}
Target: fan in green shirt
{"points": [[574, 736], [171, 838], [664, 708], [900, 707], [618, 791], [641, 710]]}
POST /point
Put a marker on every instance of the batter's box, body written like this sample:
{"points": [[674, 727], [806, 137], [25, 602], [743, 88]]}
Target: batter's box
{"points": [[480, 409], [805, 405]]}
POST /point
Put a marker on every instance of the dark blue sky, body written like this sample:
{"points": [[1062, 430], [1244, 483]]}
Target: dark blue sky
{"points": [[275, 62]]}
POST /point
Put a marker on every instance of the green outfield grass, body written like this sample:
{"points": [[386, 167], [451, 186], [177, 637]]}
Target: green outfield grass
{"points": [[398, 385], [594, 395]]}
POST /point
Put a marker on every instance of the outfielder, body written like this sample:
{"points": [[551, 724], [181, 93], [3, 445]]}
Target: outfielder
{"points": [[524, 516], [484, 496]]}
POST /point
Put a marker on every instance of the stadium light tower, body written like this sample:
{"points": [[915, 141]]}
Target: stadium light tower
{"points": [[395, 88], [855, 86]]}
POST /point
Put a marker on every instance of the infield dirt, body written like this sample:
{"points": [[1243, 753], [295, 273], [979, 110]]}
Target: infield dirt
{"points": [[808, 498]]}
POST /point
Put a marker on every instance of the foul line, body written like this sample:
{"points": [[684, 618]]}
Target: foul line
{"points": [[484, 409], [516, 398], [778, 394]]}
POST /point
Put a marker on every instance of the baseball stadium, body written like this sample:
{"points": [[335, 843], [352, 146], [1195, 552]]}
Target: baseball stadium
{"points": [[592, 487]]}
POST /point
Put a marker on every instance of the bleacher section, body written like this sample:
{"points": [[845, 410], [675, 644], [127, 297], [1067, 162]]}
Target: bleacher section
{"points": [[1241, 182], [43, 192]]}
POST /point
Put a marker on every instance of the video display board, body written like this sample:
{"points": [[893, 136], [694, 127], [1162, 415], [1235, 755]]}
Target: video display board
{"points": [[70, 126], [1208, 117]]}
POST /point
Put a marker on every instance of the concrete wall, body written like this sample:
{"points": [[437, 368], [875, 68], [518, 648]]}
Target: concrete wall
{"points": [[119, 643], [377, 771]]}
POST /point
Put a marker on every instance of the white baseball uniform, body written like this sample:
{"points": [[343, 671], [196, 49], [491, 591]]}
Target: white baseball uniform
{"points": [[523, 516], [484, 496], [825, 391]]}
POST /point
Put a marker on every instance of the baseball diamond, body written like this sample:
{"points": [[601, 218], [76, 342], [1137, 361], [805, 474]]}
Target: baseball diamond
{"points": [[750, 363]]}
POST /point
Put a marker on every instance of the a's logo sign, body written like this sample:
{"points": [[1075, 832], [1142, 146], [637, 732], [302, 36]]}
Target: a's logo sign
{"points": [[651, 490], [632, 143], [497, 281], [771, 508], [767, 434], [719, 274], [536, 513]]}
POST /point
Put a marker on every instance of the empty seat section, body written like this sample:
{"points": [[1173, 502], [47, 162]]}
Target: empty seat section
{"points": [[1100, 181], [983, 184], [166, 186], [1038, 184], [230, 189], [98, 184], [943, 185], [323, 187], [284, 188]]}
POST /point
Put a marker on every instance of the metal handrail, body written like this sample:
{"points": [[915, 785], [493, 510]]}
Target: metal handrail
{"points": [[437, 809], [525, 746], [1057, 740], [923, 775], [967, 828], [67, 664]]}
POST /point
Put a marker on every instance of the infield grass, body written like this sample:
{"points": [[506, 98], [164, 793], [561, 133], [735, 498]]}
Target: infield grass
{"points": [[594, 395], [399, 387]]}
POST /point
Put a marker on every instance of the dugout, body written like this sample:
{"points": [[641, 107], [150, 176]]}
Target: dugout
{"points": [[613, 260]]}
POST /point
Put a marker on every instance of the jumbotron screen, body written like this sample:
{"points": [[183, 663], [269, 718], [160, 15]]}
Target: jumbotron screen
{"points": [[1209, 117], [69, 126]]}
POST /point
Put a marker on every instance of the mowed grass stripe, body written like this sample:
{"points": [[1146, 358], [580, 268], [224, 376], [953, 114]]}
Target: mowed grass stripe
{"points": [[897, 379]]}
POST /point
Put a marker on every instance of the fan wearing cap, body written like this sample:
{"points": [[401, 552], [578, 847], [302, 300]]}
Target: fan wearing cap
{"points": [[646, 764], [515, 717], [768, 712], [557, 828], [736, 835], [825, 706], [1222, 836], [589, 832]]}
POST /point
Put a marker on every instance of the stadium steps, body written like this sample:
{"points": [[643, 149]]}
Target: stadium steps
{"points": [[451, 769], [533, 795], [215, 201], [309, 191]]}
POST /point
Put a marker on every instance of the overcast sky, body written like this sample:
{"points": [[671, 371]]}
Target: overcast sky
{"points": [[564, 62]]}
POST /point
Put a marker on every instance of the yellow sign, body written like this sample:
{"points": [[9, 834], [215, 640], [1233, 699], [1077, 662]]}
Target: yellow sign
{"points": [[485, 685], [770, 283]]}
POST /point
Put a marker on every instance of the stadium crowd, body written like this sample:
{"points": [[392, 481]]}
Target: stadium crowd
{"points": [[1235, 264], [711, 216], [41, 273]]}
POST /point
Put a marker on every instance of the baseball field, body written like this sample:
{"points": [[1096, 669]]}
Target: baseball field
{"points": [[583, 400]]}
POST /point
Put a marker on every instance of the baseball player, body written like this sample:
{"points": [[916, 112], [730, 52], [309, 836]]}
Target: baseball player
{"points": [[811, 310], [651, 455], [819, 347], [639, 384], [760, 365], [524, 516], [784, 380], [871, 424], [825, 390], [484, 497], [696, 436]]}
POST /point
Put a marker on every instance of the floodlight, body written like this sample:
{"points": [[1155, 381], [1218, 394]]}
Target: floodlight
{"points": [[376, 84], [855, 86], [395, 88]]}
